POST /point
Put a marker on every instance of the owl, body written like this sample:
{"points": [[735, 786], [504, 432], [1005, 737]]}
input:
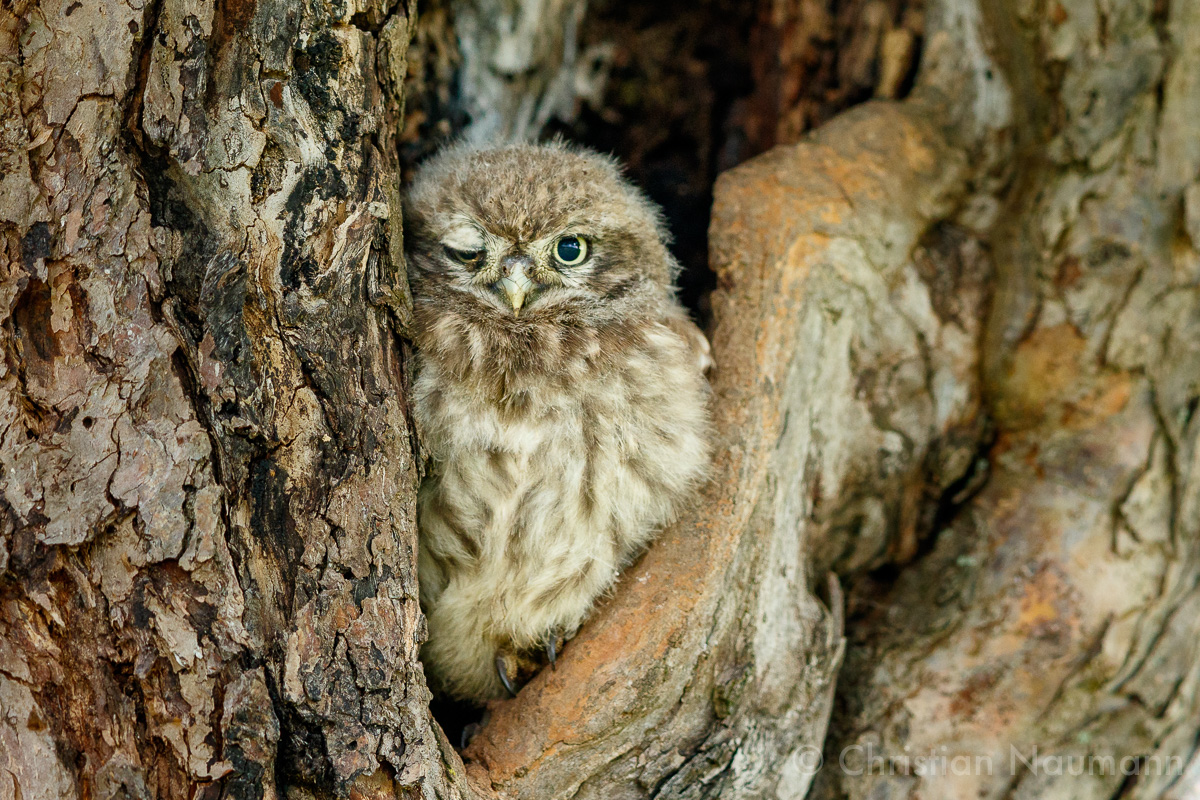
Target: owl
{"points": [[560, 393]]}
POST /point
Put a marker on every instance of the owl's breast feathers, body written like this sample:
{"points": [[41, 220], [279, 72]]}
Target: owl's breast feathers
{"points": [[626, 389], [558, 453]]}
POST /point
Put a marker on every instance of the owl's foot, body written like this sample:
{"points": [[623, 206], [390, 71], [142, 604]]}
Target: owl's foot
{"points": [[468, 733], [514, 669], [554, 646], [503, 668]]}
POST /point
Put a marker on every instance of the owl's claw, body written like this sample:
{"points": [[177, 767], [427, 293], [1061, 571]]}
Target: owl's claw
{"points": [[554, 646], [468, 733], [502, 671]]}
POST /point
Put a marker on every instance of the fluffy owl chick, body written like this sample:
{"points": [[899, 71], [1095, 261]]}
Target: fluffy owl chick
{"points": [[559, 391]]}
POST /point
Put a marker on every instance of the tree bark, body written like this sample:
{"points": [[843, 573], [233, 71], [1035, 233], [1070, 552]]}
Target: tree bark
{"points": [[209, 469], [957, 337], [1056, 621]]}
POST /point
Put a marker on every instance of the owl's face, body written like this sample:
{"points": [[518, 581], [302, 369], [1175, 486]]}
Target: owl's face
{"points": [[533, 232]]}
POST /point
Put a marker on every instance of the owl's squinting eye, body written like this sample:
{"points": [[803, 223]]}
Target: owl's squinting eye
{"points": [[571, 250], [469, 257]]}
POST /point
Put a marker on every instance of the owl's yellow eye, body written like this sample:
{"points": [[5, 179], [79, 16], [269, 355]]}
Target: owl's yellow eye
{"points": [[469, 257], [571, 250]]}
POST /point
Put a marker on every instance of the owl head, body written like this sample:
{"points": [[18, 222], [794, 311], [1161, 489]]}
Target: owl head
{"points": [[530, 233]]}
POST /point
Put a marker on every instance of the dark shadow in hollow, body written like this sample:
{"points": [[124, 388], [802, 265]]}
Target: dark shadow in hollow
{"points": [[677, 69]]}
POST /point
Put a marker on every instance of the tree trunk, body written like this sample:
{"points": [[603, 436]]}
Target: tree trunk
{"points": [[958, 348], [209, 468], [1052, 633]]}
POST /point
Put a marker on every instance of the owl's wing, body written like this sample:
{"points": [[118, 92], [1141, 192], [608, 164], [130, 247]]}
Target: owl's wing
{"points": [[679, 322]]}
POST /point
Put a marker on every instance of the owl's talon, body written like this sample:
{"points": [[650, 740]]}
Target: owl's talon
{"points": [[469, 732], [502, 671], [554, 646]]}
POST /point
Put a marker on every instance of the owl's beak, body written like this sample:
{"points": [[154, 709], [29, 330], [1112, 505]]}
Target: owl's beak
{"points": [[516, 283]]}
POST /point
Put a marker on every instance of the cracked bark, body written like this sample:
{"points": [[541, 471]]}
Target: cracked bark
{"points": [[957, 338]]}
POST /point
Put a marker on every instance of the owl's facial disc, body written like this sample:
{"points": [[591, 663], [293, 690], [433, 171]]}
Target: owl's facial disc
{"points": [[515, 281]]}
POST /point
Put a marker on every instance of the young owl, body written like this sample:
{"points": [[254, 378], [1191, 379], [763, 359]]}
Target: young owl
{"points": [[559, 390]]}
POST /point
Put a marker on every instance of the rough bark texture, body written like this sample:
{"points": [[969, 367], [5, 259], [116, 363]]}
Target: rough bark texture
{"points": [[496, 70], [1058, 615], [208, 471], [957, 337]]}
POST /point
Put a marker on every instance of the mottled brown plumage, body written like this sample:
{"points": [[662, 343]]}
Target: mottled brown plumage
{"points": [[559, 389]]}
